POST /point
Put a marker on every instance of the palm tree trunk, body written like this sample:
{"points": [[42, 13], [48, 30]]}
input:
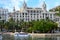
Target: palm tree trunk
{"points": [[1, 28]]}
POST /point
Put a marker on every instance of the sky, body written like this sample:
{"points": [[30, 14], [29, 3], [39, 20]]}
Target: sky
{"points": [[9, 4]]}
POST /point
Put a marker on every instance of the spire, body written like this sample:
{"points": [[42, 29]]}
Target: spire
{"points": [[24, 4], [14, 8], [44, 6]]}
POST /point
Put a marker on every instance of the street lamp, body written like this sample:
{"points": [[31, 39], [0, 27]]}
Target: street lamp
{"points": [[17, 19]]}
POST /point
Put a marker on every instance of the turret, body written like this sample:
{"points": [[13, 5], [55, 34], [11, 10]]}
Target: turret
{"points": [[13, 9], [44, 8], [24, 5]]}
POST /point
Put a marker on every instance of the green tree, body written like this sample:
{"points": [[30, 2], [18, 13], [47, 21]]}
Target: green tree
{"points": [[43, 26], [1, 24], [12, 24]]}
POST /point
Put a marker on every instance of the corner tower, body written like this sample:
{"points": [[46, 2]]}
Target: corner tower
{"points": [[24, 5], [44, 7], [14, 9]]}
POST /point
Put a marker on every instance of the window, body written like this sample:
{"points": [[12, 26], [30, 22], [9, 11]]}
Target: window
{"points": [[37, 16], [31, 16], [20, 16], [34, 11], [28, 11], [31, 13], [0, 17], [40, 11], [51, 17], [46, 14], [23, 16], [26, 19], [37, 11], [14, 15], [34, 14], [40, 16], [43, 15], [23, 13], [50, 14], [57, 19], [17, 15], [28, 16]]}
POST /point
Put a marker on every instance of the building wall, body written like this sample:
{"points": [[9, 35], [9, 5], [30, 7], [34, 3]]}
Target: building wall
{"points": [[32, 15], [3, 14]]}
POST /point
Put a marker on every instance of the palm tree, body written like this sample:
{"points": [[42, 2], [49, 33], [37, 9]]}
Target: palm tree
{"points": [[12, 23], [1, 24], [6, 25], [22, 24]]}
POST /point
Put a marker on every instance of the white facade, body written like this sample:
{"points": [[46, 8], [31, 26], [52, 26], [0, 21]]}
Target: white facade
{"points": [[3, 14], [32, 15], [57, 20], [29, 14]]}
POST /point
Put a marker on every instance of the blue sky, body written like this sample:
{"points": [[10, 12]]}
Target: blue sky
{"points": [[9, 4]]}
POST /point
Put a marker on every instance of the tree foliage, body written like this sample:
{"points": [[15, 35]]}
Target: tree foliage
{"points": [[56, 9], [43, 26]]}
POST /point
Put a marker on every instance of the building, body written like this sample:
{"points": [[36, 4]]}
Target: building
{"points": [[3, 14], [28, 14], [57, 20]]}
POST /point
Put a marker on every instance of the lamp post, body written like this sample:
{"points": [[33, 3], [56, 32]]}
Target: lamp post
{"points": [[17, 19]]}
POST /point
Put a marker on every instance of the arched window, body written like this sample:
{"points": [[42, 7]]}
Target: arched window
{"points": [[25, 13], [0, 17], [34, 11], [37, 11]]}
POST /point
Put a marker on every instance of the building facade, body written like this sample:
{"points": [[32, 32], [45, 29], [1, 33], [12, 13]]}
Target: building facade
{"points": [[29, 14], [3, 14]]}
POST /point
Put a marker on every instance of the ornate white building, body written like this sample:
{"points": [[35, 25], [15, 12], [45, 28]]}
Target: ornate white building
{"points": [[29, 14], [3, 14]]}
